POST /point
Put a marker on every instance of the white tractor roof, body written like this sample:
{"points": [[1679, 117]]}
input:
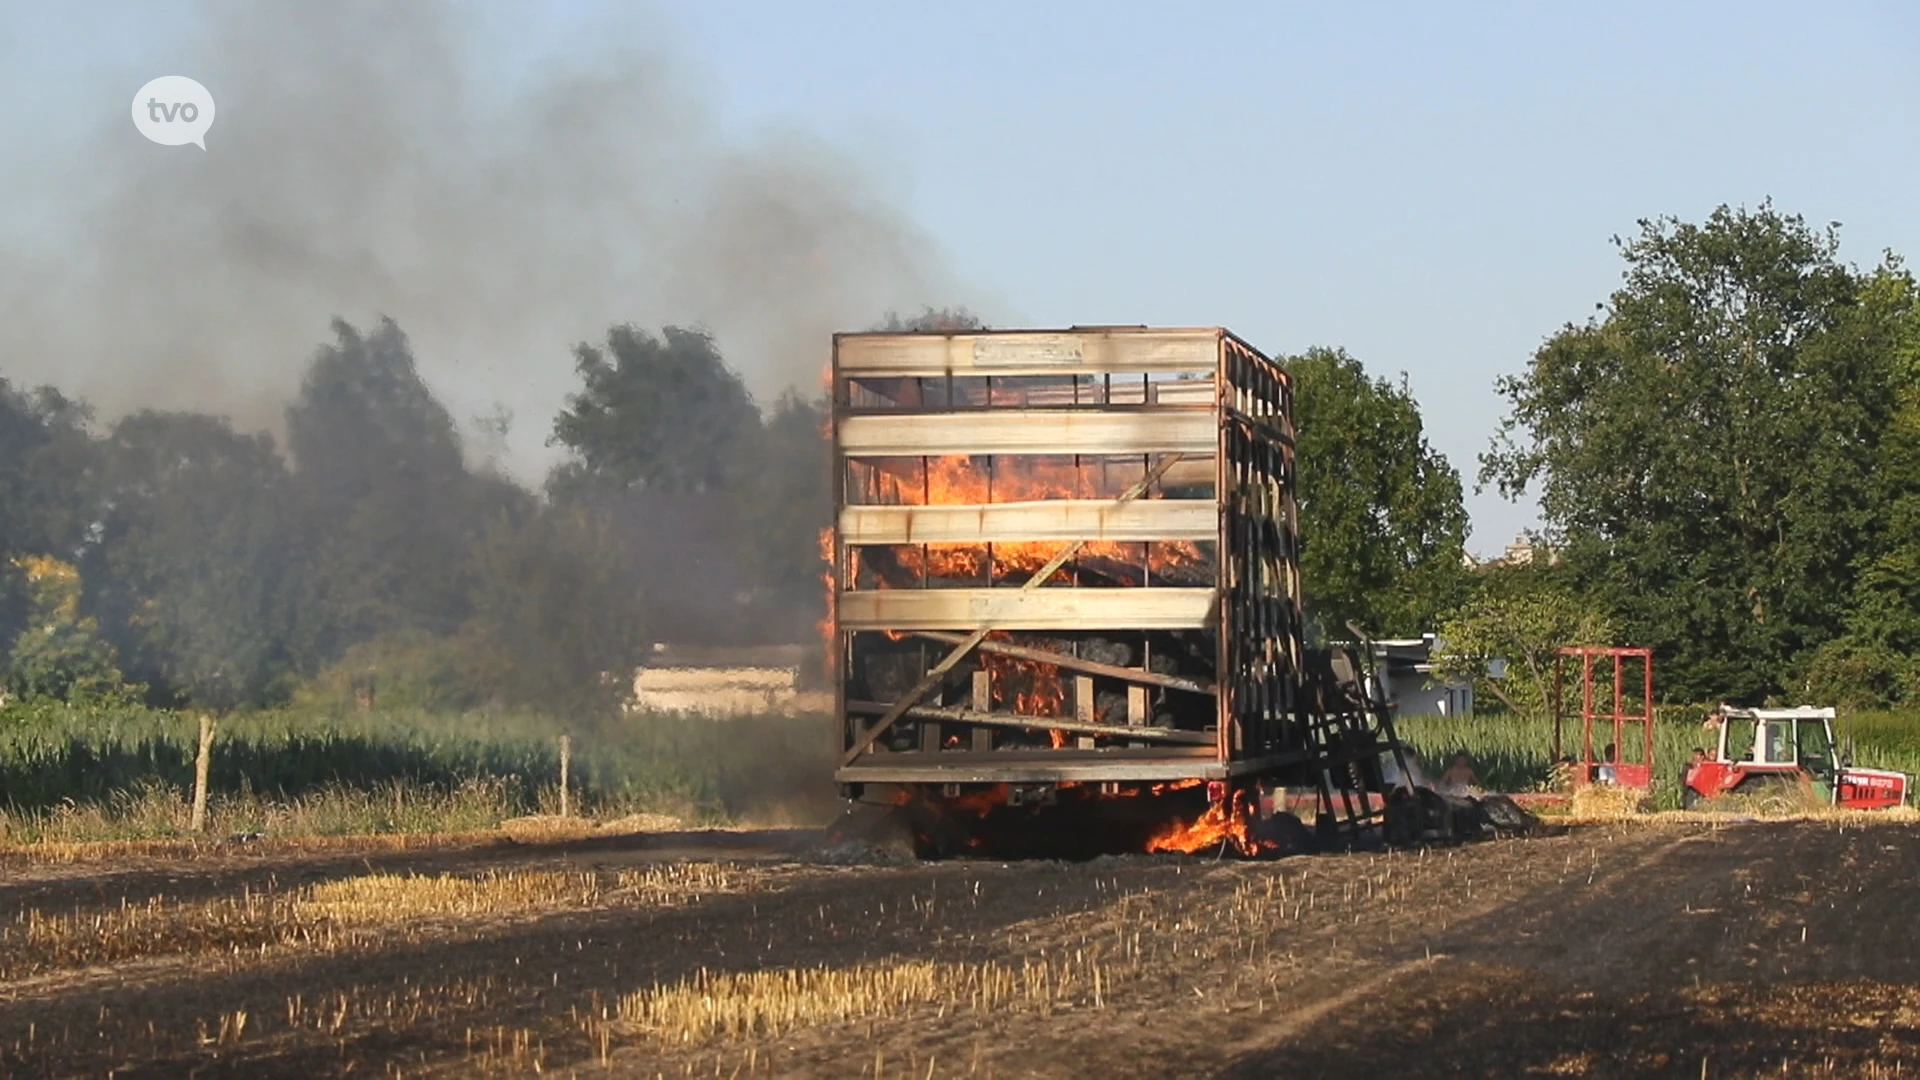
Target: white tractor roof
{"points": [[1798, 712]]}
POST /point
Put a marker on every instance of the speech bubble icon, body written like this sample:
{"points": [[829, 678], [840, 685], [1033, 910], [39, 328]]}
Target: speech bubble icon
{"points": [[174, 110]]}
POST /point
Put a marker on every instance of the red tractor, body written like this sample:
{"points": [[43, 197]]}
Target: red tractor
{"points": [[1780, 754]]}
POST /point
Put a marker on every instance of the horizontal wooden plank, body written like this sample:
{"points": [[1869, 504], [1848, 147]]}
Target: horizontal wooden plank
{"points": [[1040, 723], [1143, 430], [1080, 352], [1026, 609], [1053, 766], [1060, 393], [1194, 392], [1050, 519], [1190, 471]]}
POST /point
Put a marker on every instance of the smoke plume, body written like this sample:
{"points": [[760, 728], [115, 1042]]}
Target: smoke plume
{"points": [[370, 158]]}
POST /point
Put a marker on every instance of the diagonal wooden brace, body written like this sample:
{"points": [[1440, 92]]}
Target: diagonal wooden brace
{"points": [[912, 697]]}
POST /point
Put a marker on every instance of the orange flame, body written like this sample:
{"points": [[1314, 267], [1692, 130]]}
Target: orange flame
{"points": [[1224, 823], [962, 480], [825, 626], [1037, 687]]}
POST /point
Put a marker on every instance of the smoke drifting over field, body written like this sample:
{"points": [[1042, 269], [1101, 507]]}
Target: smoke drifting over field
{"points": [[368, 160]]}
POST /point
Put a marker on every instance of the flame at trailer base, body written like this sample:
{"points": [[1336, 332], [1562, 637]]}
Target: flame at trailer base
{"points": [[1228, 824], [1087, 820]]}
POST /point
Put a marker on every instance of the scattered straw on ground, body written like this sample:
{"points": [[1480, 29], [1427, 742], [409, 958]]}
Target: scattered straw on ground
{"points": [[546, 827], [641, 823], [774, 1002], [334, 913], [385, 898], [1600, 802], [62, 852]]}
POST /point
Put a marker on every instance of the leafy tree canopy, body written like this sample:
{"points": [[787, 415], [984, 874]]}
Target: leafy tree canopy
{"points": [[656, 413], [1506, 639], [196, 550], [60, 654], [931, 320], [1706, 448], [384, 497], [1382, 521]]}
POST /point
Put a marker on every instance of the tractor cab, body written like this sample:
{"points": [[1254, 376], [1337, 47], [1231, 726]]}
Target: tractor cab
{"points": [[1774, 752]]}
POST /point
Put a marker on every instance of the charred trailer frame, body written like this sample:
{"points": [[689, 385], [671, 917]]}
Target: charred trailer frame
{"points": [[1070, 560]]}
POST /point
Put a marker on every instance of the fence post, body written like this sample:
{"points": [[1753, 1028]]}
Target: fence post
{"points": [[566, 759], [200, 768]]}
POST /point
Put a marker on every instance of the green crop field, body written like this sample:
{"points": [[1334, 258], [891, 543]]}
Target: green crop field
{"points": [[77, 774], [126, 773]]}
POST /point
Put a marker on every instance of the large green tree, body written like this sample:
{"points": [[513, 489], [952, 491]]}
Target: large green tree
{"points": [[387, 505], [196, 554], [1876, 661], [558, 624], [48, 472], [1706, 447], [658, 413], [788, 500], [60, 654], [1382, 521]]}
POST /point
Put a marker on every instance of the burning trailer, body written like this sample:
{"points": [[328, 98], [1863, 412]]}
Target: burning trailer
{"points": [[1066, 603]]}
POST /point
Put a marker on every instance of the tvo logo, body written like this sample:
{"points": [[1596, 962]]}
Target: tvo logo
{"points": [[174, 110]]}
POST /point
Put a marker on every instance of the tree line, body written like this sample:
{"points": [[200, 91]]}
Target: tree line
{"points": [[171, 558], [1727, 458]]}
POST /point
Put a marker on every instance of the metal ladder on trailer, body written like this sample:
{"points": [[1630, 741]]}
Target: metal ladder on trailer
{"points": [[1351, 736]]}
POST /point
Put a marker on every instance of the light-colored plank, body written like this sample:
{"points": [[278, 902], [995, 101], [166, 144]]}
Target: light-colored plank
{"points": [[1145, 430], [1190, 471], [1040, 766], [1083, 352], [1136, 708], [1083, 710], [1026, 609], [982, 701], [1050, 519], [1184, 392]]}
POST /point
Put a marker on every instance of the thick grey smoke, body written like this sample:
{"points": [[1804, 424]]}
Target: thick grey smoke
{"points": [[366, 161]]}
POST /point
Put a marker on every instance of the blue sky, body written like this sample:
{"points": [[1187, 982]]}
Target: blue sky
{"points": [[1432, 187]]}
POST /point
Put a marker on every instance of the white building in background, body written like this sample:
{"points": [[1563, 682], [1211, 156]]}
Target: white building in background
{"points": [[727, 682], [1404, 673], [1526, 547]]}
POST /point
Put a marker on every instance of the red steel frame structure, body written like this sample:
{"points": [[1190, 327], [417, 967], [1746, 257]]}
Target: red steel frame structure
{"points": [[1615, 714]]}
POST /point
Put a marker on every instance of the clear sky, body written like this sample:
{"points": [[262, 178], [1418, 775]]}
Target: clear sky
{"points": [[1432, 187]]}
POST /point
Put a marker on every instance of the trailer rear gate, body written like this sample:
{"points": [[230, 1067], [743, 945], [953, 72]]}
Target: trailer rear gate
{"points": [[1065, 556]]}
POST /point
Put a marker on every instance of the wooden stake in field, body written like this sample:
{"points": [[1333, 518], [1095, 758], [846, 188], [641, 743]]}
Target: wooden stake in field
{"points": [[201, 765], [566, 758]]}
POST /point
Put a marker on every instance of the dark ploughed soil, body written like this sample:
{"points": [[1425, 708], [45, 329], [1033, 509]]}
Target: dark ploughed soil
{"points": [[1645, 950]]}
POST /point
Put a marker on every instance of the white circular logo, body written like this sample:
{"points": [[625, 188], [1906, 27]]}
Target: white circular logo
{"points": [[173, 110]]}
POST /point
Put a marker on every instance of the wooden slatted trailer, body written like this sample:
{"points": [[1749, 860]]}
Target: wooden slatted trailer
{"points": [[1068, 562]]}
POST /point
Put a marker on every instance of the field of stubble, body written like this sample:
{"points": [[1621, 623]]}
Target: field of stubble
{"points": [[1628, 950]]}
